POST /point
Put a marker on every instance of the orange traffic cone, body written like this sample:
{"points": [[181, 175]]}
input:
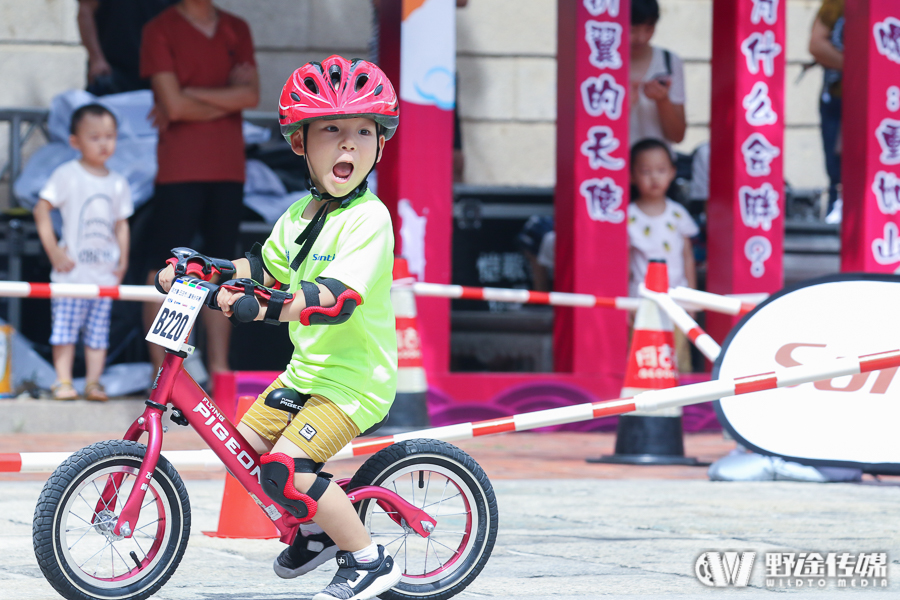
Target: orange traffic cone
{"points": [[410, 408], [240, 516], [652, 438]]}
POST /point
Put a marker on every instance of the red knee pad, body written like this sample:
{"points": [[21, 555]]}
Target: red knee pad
{"points": [[278, 482]]}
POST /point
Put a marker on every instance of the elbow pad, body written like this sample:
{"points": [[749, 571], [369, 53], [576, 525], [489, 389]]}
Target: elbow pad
{"points": [[346, 301]]}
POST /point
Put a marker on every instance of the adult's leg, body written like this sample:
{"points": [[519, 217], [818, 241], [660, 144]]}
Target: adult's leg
{"points": [[176, 210], [219, 225], [830, 119]]}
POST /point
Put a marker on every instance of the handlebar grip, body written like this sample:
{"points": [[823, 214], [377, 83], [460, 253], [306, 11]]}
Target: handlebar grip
{"points": [[156, 282], [245, 309]]}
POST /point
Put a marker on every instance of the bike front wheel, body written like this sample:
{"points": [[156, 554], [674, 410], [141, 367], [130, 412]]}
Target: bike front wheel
{"points": [[450, 486], [77, 510]]}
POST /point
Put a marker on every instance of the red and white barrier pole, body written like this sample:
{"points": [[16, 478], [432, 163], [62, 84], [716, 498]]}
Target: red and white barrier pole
{"points": [[147, 293], [729, 305], [522, 296], [685, 323], [46, 462], [645, 401], [35, 462], [23, 289]]}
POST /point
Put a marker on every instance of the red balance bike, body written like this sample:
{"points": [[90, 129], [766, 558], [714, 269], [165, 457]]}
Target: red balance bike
{"points": [[113, 520]]}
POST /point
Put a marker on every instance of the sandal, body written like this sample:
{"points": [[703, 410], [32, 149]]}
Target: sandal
{"points": [[64, 390], [94, 391]]}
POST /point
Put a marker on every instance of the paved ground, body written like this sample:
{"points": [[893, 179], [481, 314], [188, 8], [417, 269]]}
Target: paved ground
{"points": [[567, 529]]}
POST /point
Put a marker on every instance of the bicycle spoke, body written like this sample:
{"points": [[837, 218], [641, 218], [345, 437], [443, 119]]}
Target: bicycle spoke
{"points": [[393, 541], [116, 550], [76, 515], [146, 525], [445, 546], [435, 554], [93, 509], [427, 485], [451, 514], [442, 499], [412, 484]]}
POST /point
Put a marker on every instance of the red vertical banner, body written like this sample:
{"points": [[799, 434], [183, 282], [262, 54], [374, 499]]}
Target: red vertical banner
{"points": [[870, 236], [746, 201], [417, 50], [592, 181]]}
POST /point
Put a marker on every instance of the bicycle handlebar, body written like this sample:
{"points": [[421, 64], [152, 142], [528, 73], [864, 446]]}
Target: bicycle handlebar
{"points": [[245, 309]]}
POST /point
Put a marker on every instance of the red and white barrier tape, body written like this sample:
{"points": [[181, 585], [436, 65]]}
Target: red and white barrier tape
{"points": [[645, 401], [685, 323]]}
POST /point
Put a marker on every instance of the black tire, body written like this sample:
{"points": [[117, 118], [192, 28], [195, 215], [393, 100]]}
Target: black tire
{"points": [[465, 511], [78, 553]]}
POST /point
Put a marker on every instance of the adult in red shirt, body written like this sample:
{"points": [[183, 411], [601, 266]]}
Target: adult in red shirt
{"points": [[199, 60]]}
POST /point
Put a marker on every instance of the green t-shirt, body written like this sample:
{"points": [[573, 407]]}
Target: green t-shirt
{"points": [[353, 364]]}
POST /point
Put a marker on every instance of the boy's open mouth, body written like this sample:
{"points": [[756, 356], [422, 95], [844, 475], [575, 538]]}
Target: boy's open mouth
{"points": [[342, 171]]}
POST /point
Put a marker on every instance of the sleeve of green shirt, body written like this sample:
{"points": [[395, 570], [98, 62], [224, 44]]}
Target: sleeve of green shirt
{"points": [[273, 251], [365, 251]]}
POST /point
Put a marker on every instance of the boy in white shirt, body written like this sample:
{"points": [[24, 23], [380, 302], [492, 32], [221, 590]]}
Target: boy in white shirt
{"points": [[94, 204]]}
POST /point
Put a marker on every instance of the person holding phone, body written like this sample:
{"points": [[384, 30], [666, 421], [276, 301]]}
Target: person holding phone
{"points": [[657, 81]]}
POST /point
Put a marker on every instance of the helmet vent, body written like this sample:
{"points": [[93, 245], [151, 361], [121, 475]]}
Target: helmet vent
{"points": [[361, 81], [295, 97], [378, 89], [310, 84], [334, 74]]}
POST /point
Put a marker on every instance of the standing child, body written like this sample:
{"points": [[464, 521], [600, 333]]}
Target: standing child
{"points": [[659, 228], [94, 204], [334, 251]]}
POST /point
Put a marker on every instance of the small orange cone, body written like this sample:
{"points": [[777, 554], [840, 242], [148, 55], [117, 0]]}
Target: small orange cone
{"points": [[410, 408], [651, 438], [240, 516]]}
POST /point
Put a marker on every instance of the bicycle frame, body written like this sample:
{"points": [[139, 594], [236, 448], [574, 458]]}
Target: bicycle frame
{"points": [[176, 388]]}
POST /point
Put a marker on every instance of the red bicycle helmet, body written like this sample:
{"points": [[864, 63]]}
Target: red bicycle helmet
{"points": [[338, 88]]}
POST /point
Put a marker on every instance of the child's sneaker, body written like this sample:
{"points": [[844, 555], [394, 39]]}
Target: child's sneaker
{"points": [[360, 581], [305, 555]]}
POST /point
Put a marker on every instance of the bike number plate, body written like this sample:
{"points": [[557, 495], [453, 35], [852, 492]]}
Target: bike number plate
{"points": [[177, 314]]}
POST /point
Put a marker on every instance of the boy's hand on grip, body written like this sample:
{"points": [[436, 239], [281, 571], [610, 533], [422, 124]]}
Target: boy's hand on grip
{"points": [[165, 278]]}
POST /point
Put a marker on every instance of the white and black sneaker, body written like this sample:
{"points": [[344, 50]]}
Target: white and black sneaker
{"points": [[306, 554], [360, 581]]}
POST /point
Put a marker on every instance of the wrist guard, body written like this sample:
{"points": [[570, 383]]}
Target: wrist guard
{"points": [[190, 262], [258, 268], [346, 301], [275, 299]]}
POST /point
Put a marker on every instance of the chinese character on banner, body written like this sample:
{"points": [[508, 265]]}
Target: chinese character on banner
{"points": [[886, 251], [759, 106], [603, 95], [598, 7], [766, 10], [604, 199], [887, 38], [888, 134], [761, 49], [887, 192], [759, 206], [489, 266], [758, 155], [758, 250], [604, 39], [601, 141]]}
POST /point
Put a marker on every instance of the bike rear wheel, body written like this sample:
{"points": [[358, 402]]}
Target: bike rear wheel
{"points": [[77, 510], [451, 487]]}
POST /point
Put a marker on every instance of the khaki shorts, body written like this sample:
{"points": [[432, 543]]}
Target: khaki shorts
{"points": [[320, 429]]}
